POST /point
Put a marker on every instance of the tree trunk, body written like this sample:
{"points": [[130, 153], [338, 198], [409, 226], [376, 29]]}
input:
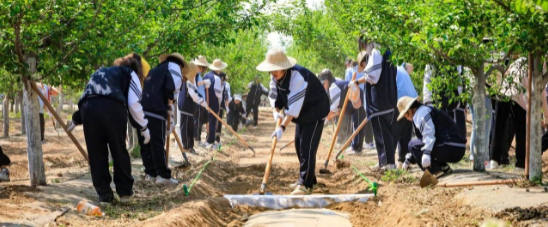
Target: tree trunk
{"points": [[34, 146], [60, 106], [6, 114], [71, 106], [481, 146], [17, 104], [535, 152], [23, 127]]}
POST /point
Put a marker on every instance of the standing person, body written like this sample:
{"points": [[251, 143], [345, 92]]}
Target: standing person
{"points": [[380, 98], [200, 112], [47, 91], [236, 112], [109, 96], [256, 90], [4, 163], [162, 86], [439, 140], [369, 144], [403, 129], [226, 98], [300, 94], [337, 91], [215, 96], [189, 100]]}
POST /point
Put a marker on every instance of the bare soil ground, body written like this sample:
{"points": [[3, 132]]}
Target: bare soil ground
{"points": [[400, 201]]}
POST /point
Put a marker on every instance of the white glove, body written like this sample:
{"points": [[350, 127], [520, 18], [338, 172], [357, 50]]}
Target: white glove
{"points": [[426, 160], [204, 104], [146, 134], [277, 115], [278, 133], [207, 83]]}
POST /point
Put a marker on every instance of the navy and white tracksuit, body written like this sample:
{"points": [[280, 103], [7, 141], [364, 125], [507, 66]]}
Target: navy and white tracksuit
{"points": [[439, 136], [337, 92], [162, 84], [235, 114], [224, 98], [215, 92], [254, 100], [381, 98], [200, 113], [403, 129], [189, 100], [302, 96], [108, 97]]}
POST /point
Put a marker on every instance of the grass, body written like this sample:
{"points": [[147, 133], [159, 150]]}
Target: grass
{"points": [[136, 152], [398, 176]]}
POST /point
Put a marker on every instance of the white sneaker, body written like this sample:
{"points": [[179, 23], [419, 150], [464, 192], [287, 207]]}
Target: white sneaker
{"points": [[164, 181], [389, 167], [4, 175], [351, 151], [302, 190], [255, 127], [369, 146], [375, 167], [70, 126], [493, 164], [126, 199], [208, 145], [294, 185], [150, 179]]}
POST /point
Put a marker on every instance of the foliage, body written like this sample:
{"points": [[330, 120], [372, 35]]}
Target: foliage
{"points": [[398, 175]]}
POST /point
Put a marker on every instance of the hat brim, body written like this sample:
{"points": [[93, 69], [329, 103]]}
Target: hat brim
{"points": [[222, 67], [269, 67], [402, 113], [199, 63], [185, 70]]}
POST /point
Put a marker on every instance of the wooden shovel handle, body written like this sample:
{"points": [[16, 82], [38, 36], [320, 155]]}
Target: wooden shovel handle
{"points": [[271, 156], [228, 127], [167, 139], [341, 116]]}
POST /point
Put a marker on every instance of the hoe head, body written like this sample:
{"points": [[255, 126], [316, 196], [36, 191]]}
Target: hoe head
{"points": [[428, 180]]}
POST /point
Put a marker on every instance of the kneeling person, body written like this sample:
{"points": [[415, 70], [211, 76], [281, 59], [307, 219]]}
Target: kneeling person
{"points": [[236, 112], [439, 138]]}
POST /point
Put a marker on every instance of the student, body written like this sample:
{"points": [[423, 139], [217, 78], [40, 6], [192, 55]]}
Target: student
{"points": [[161, 87], [256, 90], [300, 94], [200, 113], [225, 99], [47, 91], [337, 91], [380, 98], [109, 96], [4, 163], [190, 99], [369, 144], [236, 112], [439, 140], [403, 129], [215, 96]]}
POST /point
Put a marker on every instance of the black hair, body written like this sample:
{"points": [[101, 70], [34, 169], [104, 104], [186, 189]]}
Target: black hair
{"points": [[132, 61], [326, 75], [416, 104], [222, 75]]}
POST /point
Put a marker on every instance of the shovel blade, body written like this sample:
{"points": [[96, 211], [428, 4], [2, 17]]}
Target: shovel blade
{"points": [[428, 179]]}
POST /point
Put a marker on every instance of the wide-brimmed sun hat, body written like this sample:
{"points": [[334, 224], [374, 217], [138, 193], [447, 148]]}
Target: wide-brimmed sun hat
{"points": [[185, 70], [361, 56], [201, 61], [193, 69], [218, 65], [276, 60], [404, 103]]}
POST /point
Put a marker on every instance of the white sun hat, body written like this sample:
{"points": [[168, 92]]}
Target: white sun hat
{"points": [[201, 61], [218, 65], [276, 60], [404, 103]]}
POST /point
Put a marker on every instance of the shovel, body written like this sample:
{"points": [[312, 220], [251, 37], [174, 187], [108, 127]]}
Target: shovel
{"points": [[428, 179], [293, 141], [186, 163], [269, 163], [231, 130], [167, 140]]}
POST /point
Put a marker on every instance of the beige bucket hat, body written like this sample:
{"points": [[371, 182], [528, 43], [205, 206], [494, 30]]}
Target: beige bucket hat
{"points": [[404, 103], [218, 65], [185, 69], [361, 56], [193, 69], [276, 60], [201, 61]]}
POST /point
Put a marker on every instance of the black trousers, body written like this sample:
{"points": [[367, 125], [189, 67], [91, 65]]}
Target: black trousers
{"points": [[4, 159], [255, 109], [440, 156], [211, 131], [233, 120], [460, 118], [402, 136], [510, 121], [200, 118], [307, 140], [358, 116], [346, 128], [42, 126], [76, 117], [219, 127], [187, 131], [105, 125], [154, 153], [384, 140]]}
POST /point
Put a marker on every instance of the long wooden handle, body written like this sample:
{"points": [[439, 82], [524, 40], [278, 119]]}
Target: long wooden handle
{"points": [[271, 156], [354, 134], [292, 141], [228, 127], [58, 118], [341, 116], [178, 141], [477, 183], [167, 139]]}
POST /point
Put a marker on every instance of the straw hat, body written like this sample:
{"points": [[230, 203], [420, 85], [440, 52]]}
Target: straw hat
{"points": [[201, 61], [276, 60], [178, 56], [361, 56], [404, 103], [193, 69], [217, 65]]}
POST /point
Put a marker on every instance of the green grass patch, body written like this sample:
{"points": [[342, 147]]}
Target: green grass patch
{"points": [[136, 152], [398, 176]]}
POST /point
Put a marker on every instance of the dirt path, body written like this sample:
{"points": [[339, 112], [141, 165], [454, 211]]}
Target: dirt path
{"points": [[234, 171]]}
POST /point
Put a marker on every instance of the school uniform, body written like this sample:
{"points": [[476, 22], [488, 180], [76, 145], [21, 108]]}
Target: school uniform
{"points": [[4, 159], [381, 98], [225, 98], [368, 127], [163, 83], [337, 92], [215, 93], [46, 92], [403, 129], [189, 100], [108, 97], [253, 100], [235, 114], [302, 96], [438, 136], [200, 113]]}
